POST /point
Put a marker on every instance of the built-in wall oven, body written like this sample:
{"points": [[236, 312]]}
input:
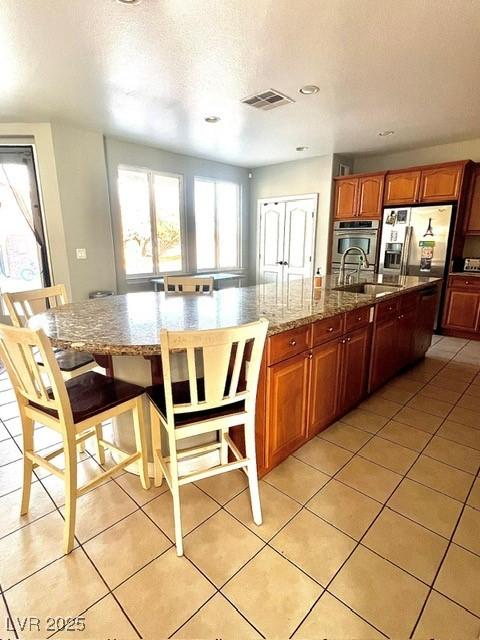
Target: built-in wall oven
{"points": [[354, 233]]}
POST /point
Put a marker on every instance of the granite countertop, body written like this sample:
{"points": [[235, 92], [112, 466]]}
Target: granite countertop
{"points": [[129, 324]]}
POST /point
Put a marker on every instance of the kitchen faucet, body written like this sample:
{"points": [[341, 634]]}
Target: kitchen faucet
{"points": [[363, 261]]}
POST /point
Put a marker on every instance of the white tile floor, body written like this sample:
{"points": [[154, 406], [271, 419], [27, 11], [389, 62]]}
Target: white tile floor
{"points": [[370, 530]]}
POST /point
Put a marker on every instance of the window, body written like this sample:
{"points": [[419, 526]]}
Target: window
{"points": [[151, 215], [217, 224]]}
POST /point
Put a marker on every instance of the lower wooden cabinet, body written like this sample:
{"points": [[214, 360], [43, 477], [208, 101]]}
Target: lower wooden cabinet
{"points": [[324, 384], [406, 327], [355, 366], [425, 321], [384, 353], [462, 311], [287, 406]]}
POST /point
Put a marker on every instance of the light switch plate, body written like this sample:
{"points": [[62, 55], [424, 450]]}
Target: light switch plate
{"points": [[81, 254]]}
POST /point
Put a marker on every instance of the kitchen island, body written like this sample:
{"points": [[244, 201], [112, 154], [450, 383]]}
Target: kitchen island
{"points": [[327, 347]]}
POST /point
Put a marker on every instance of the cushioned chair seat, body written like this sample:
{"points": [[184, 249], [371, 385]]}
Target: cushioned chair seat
{"points": [[70, 360], [91, 393], [181, 393]]}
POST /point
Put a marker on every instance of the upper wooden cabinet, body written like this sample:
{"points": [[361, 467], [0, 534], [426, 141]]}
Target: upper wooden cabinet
{"points": [[472, 218], [439, 183], [359, 197], [346, 197], [402, 187]]}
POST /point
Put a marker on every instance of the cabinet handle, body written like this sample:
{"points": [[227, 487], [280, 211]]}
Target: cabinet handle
{"points": [[359, 318], [467, 281], [292, 342], [390, 308], [349, 339], [310, 356], [400, 317], [343, 341], [330, 329]]}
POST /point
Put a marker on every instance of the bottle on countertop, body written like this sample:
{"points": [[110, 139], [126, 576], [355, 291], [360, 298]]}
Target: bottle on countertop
{"points": [[317, 278]]}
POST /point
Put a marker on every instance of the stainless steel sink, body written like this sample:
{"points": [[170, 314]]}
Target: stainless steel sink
{"points": [[369, 288]]}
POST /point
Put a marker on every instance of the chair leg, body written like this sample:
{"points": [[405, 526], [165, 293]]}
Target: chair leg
{"points": [[70, 493], [27, 428], [81, 447], [156, 445], [141, 442], [177, 514], [98, 437], [223, 447], [252, 471]]}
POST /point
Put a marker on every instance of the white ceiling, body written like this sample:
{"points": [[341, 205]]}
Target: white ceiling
{"points": [[151, 72]]}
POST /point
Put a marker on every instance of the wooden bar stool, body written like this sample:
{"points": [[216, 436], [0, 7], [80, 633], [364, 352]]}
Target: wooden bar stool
{"points": [[75, 409], [224, 397], [23, 305], [187, 284]]}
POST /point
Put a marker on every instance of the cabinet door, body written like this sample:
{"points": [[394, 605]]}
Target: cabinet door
{"points": [[287, 407], [346, 197], [402, 188], [324, 385], [384, 353], [462, 310], [406, 333], [425, 320], [472, 220], [355, 364], [441, 183], [370, 197]]}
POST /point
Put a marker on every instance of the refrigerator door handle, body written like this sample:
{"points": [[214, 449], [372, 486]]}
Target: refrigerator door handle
{"points": [[405, 251]]}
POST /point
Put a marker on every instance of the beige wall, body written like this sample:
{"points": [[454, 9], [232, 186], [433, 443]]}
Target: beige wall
{"points": [[119, 152], [466, 150], [311, 175], [82, 180]]}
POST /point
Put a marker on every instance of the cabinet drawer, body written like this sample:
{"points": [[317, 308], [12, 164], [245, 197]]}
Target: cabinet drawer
{"points": [[287, 344], [387, 309], [464, 282], [324, 330], [408, 301], [357, 318]]}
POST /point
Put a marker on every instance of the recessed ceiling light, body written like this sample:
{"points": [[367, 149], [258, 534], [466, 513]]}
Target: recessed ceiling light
{"points": [[212, 119], [301, 148], [388, 132], [308, 89], [129, 1]]}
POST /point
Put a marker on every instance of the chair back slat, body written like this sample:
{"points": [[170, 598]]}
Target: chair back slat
{"points": [[20, 349], [192, 375], [237, 367], [187, 284], [231, 365], [22, 305]]}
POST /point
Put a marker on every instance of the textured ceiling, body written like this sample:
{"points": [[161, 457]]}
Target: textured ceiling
{"points": [[151, 72]]}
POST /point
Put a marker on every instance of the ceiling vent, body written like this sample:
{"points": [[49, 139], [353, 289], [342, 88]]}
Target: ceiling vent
{"points": [[266, 100]]}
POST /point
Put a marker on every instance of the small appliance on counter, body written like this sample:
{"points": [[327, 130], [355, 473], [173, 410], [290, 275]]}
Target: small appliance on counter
{"points": [[471, 265]]}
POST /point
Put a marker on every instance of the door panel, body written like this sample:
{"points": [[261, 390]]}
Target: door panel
{"points": [[462, 310], [370, 197], [402, 188], [384, 355], [272, 233], [286, 240], [324, 386], [355, 365], [441, 183], [346, 195], [299, 238], [287, 383]]}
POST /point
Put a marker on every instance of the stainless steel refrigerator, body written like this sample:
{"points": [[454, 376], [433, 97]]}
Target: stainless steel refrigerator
{"points": [[415, 240]]}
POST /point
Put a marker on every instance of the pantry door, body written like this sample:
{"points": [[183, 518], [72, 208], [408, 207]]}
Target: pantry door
{"points": [[286, 239]]}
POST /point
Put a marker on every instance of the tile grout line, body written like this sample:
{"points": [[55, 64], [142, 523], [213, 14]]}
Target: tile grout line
{"points": [[450, 542], [376, 517], [9, 615]]}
